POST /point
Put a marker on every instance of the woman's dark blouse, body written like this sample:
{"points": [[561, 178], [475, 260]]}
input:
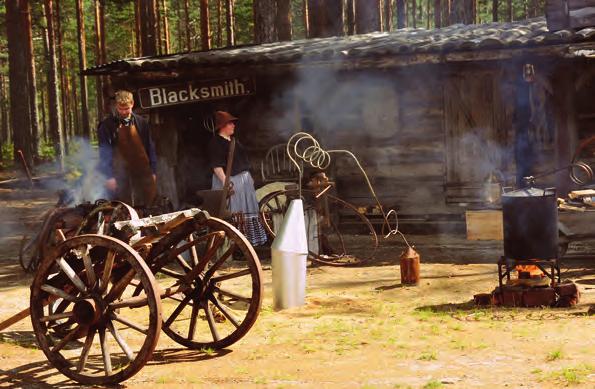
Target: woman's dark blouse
{"points": [[218, 150]]}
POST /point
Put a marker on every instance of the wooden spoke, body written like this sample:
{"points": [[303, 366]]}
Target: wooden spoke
{"points": [[128, 323], [219, 262], [85, 351], [69, 336], [173, 297], [60, 237], [195, 242], [133, 302], [56, 316], [107, 270], [91, 278], [211, 321], [224, 310], [183, 264], [177, 311], [118, 288], [193, 250], [232, 295], [277, 203], [121, 342], [71, 274], [107, 359], [230, 276], [58, 292], [193, 318], [217, 242], [171, 273]]}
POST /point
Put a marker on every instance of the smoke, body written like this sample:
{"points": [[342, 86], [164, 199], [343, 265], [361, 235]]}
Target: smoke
{"points": [[85, 182]]}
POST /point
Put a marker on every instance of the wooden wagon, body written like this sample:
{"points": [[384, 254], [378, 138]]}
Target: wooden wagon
{"points": [[99, 301]]}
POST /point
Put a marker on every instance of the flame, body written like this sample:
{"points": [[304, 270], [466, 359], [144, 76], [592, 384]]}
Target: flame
{"points": [[533, 270]]}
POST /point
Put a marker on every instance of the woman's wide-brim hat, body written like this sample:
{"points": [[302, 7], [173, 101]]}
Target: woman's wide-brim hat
{"points": [[222, 118]]}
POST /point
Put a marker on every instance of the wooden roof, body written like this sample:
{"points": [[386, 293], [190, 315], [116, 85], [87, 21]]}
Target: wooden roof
{"points": [[401, 47]]}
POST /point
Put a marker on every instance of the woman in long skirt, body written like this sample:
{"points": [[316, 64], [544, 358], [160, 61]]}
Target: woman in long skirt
{"points": [[243, 199]]}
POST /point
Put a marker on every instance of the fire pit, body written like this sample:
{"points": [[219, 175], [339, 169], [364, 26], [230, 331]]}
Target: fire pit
{"points": [[530, 221]]}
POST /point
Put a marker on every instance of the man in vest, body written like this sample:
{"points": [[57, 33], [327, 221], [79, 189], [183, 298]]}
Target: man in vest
{"points": [[127, 155]]}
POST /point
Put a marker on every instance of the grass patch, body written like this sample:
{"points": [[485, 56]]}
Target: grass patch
{"points": [[208, 351], [433, 384], [572, 375], [554, 355], [428, 356]]}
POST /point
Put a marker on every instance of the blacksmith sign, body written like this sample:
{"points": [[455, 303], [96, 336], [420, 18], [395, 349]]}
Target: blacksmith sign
{"points": [[194, 91]]}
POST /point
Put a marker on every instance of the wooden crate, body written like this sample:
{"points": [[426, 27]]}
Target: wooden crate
{"points": [[484, 225]]}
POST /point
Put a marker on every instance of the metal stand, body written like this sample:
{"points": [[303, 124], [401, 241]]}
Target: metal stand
{"points": [[506, 265]]}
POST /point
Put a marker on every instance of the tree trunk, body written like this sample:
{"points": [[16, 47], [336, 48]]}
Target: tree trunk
{"points": [[17, 13], [367, 16], [510, 11], [62, 68], [205, 28], [137, 28], [73, 103], [350, 16], [99, 60], [148, 19], [32, 89], [437, 14], [265, 13], [56, 132], [495, 5], [219, 23], [82, 66], [401, 16], [187, 25], [44, 126], [388, 15], [44, 99], [105, 84], [326, 18], [4, 135], [165, 26], [230, 19], [462, 11], [284, 19], [306, 18], [159, 29]]}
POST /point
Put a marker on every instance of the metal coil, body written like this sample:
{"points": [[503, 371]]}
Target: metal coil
{"points": [[305, 148], [585, 168]]}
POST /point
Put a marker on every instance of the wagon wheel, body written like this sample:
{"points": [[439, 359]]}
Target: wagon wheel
{"points": [[345, 236], [102, 217], [99, 334], [33, 248], [219, 298]]}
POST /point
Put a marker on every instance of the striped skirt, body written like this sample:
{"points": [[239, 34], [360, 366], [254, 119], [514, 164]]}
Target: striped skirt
{"points": [[243, 202]]}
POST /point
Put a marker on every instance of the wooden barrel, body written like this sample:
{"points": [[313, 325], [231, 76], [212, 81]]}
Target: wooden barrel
{"points": [[410, 267]]}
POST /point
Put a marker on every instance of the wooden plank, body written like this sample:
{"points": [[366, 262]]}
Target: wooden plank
{"points": [[484, 225]]}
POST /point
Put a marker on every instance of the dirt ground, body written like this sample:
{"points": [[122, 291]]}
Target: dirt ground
{"points": [[360, 328]]}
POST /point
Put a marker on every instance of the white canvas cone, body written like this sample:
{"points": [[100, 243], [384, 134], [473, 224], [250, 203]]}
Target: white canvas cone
{"points": [[289, 252]]}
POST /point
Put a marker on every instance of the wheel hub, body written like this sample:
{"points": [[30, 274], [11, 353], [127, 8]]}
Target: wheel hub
{"points": [[86, 312]]}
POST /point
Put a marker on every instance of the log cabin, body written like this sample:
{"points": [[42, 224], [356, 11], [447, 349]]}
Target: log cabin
{"points": [[433, 115]]}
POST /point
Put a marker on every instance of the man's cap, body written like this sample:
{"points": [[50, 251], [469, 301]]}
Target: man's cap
{"points": [[222, 118]]}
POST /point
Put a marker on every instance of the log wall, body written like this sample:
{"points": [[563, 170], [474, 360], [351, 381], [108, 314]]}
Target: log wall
{"points": [[428, 136]]}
